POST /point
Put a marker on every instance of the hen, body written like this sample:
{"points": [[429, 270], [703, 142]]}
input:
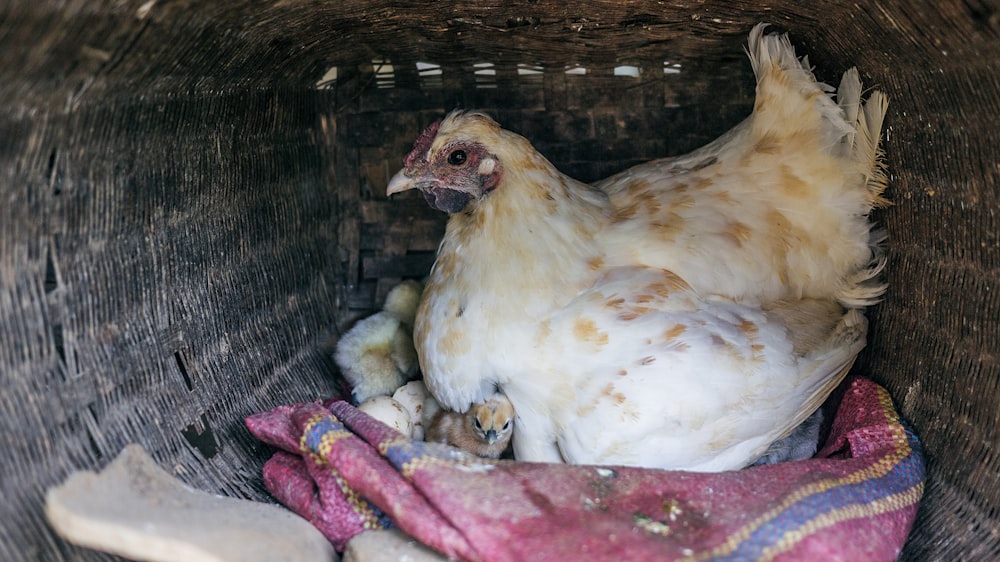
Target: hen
{"points": [[685, 313]]}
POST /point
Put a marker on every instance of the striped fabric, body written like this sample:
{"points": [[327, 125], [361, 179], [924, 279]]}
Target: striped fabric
{"points": [[856, 500]]}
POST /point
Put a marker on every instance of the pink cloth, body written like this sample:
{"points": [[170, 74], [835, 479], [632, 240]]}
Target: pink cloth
{"points": [[347, 472]]}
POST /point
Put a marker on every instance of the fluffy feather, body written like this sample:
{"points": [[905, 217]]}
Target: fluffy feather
{"points": [[485, 430], [376, 355], [685, 313]]}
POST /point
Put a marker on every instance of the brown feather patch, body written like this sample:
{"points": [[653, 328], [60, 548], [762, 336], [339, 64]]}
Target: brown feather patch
{"points": [[674, 332], [586, 330]]}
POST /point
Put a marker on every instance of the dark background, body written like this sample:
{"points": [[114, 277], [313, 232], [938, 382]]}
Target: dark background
{"points": [[190, 213]]}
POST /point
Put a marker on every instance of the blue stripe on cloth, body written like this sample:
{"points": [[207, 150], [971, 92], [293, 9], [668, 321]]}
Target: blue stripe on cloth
{"points": [[317, 429], [401, 452], [905, 475]]}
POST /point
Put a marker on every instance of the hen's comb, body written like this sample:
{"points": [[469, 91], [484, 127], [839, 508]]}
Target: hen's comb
{"points": [[422, 145]]}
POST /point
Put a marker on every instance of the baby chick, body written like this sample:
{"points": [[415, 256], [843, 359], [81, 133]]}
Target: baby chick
{"points": [[799, 445], [484, 430], [376, 355]]}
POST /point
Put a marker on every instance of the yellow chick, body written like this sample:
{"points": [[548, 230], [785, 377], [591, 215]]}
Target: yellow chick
{"points": [[376, 355], [485, 430]]}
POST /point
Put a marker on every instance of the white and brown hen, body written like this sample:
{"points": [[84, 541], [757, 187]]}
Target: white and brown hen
{"points": [[685, 313]]}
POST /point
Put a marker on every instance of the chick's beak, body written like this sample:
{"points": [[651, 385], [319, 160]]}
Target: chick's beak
{"points": [[491, 436], [400, 183]]}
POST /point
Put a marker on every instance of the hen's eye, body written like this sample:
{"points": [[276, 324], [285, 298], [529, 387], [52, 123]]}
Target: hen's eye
{"points": [[457, 158]]}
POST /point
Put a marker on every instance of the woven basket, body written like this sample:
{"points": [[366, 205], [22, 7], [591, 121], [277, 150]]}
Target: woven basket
{"points": [[192, 206]]}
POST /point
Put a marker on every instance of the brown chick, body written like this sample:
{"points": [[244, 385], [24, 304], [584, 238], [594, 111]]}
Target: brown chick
{"points": [[485, 430]]}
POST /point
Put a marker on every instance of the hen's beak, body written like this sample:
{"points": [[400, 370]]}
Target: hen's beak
{"points": [[438, 196], [400, 183]]}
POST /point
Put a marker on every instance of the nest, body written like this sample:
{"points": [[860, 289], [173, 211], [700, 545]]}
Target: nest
{"points": [[192, 206]]}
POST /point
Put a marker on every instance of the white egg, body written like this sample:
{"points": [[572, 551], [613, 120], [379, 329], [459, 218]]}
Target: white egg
{"points": [[389, 412], [412, 395]]}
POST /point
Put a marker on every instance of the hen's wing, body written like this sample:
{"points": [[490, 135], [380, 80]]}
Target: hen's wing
{"points": [[644, 372]]}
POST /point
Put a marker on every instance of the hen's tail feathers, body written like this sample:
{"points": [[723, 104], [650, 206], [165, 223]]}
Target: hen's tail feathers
{"points": [[850, 128], [864, 286], [850, 125], [862, 144], [787, 91]]}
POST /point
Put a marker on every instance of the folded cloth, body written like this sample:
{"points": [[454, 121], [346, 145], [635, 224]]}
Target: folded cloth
{"points": [[856, 500]]}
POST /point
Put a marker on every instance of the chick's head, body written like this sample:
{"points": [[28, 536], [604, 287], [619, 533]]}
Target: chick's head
{"points": [[493, 420], [403, 299]]}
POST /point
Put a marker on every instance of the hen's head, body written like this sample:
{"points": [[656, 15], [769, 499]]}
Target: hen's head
{"points": [[452, 163]]}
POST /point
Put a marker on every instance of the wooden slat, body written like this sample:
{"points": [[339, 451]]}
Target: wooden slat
{"points": [[412, 266]]}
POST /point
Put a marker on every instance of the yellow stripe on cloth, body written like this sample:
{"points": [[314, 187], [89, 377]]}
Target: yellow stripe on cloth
{"points": [[360, 506], [877, 470], [894, 502]]}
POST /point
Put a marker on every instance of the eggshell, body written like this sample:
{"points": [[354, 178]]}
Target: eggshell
{"points": [[412, 395], [389, 412]]}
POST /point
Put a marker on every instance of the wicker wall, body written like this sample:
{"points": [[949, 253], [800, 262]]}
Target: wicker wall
{"points": [[192, 205]]}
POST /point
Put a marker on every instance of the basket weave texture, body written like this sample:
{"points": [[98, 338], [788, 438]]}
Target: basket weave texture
{"points": [[192, 206]]}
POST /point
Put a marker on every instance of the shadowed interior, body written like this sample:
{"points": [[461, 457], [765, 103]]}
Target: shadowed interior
{"points": [[192, 206]]}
